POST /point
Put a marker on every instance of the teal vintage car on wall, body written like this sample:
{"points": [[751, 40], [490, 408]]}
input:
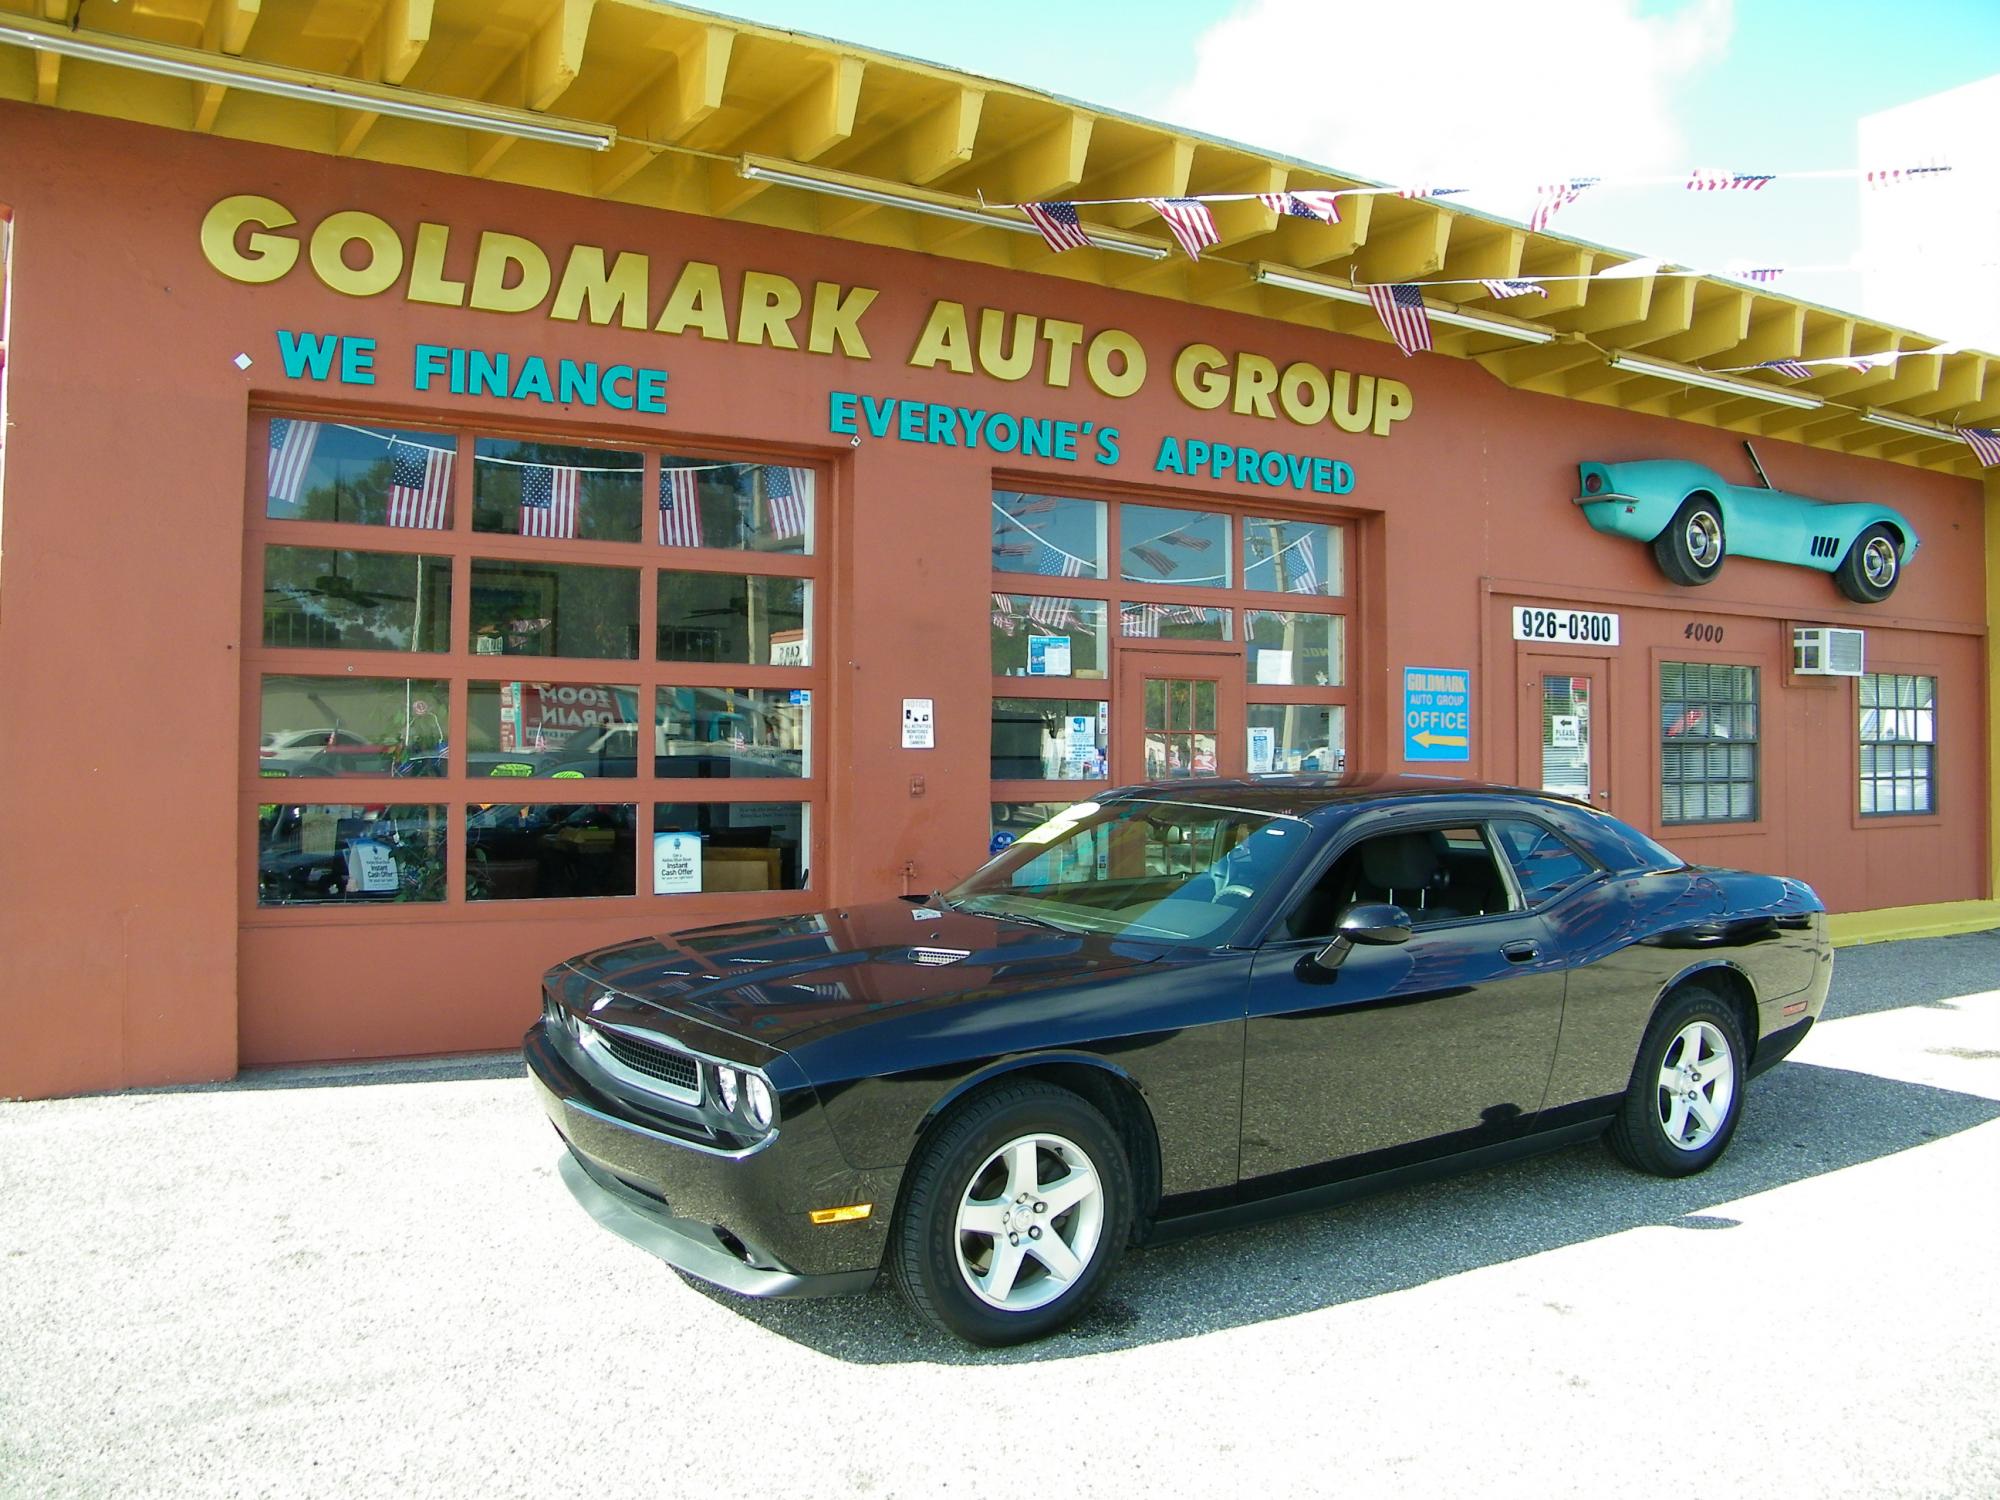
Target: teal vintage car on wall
{"points": [[1694, 518]]}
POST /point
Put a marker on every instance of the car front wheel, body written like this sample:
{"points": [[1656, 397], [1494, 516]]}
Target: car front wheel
{"points": [[1691, 549], [1013, 1216], [1868, 573], [1686, 1093]]}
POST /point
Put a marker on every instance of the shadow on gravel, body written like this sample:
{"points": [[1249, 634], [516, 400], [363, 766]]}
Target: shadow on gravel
{"points": [[1801, 1121], [1891, 976], [483, 1065]]}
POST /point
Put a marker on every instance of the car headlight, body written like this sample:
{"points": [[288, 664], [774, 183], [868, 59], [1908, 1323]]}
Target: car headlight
{"points": [[759, 1095], [726, 1080]]}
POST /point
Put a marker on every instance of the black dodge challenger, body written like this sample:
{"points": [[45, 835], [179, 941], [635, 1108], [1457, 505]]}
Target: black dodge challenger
{"points": [[1168, 1007]]}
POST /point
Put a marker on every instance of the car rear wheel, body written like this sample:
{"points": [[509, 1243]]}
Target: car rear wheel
{"points": [[1868, 573], [1686, 1093], [1013, 1215], [1691, 549]]}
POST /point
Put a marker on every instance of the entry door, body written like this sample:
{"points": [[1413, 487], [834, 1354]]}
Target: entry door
{"points": [[1566, 726], [1181, 716]]}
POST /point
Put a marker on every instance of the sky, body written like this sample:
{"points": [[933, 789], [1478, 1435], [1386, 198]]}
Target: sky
{"points": [[1507, 94]]}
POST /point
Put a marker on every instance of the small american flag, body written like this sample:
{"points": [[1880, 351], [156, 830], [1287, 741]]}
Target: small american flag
{"points": [[1707, 180], [1400, 305], [1861, 364], [1425, 191], [1055, 561], [419, 485], [1305, 575], [1797, 369], [1034, 504], [1059, 225], [1884, 176], [1187, 539], [1551, 197], [292, 445], [548, 500], [1140, 619], [1985, 443], [1012, 549], [1053, 613], [680, 508], [1505, 288], [788, 492], [1762, 273], [1003, 614], [1155, 559], [1303, 205], [1192, 224]]}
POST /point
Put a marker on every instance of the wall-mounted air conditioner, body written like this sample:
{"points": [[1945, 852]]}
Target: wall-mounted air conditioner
{"points": [[1825, 651]]}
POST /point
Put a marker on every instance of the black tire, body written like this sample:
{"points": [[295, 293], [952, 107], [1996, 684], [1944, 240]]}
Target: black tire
{"points": [[925, 1259], [1872, 567], [1692, 548], [1643, 1135]]}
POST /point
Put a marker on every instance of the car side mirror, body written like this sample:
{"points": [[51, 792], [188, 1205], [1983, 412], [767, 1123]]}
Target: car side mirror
{"points": [[1374, 923]]}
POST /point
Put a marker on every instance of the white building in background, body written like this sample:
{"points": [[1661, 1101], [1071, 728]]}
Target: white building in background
{"points": [[1928, 247]]}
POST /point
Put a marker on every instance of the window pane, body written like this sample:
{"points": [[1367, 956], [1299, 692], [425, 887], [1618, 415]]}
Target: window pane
{"points": [[356, 601], [349, 726], [717, 732], [1288, 649], [1293, 737], [1182, 547], [367, 476], [1049, 739], [1012, 819], [749, 507], [524, 852], [1175, 622], [1898, 730], [1708, 751], [732, 617], [1043, 637], [1048, 534], [729, 846], [1544, 864], [325, 854], [565, 729], [1292, 557], [554, 609], [555, 490]]}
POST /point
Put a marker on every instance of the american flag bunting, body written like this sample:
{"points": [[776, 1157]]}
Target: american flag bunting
{"points": [[1506, 288], [1886, 176], [1155, 559], [1426, 191], [419, 485], [1707, 180], [548, 500], [1053, 614], [1303, 205], [680, 508], [1400, 305], [788, 496], [1192, 224], [1796, 369], [1985, 442], [1003, 614], [1554, 196], [292, 445], [1059, 225]]}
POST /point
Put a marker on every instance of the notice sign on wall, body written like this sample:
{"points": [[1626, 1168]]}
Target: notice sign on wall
{"points": [[1437, 713], [676, 864], [918, 731]]}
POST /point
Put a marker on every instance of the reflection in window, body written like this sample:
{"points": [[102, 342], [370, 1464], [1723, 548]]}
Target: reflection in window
{"points": [[322, 599], [1544, 864], [1297, 737], [750, 507], [554, 609], [1292, 557], [1049, 739], [525, 852], [1291, 649], [727, 732], [367, 476], [1180, 728], [555, 491], [349, 726], [1012, 819], [1174, 622], [1182, 547], [1708, 743], [322, 854], [732, 617], [1898, 743], [1037, 636], [729, 846], [1048, 534], [557, 729]]}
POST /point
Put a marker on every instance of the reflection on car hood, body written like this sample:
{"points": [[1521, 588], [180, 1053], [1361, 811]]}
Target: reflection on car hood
{"points": [[776, 979]]}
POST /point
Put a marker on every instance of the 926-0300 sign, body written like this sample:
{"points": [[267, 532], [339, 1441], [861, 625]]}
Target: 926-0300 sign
{"points": [[1569, 627]]}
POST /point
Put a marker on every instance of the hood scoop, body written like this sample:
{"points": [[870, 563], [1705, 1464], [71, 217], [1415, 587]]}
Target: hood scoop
{"points": [[937, 958]]}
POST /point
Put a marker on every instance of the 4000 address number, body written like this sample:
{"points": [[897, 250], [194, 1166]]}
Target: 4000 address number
{"points": [[1569, 627]]}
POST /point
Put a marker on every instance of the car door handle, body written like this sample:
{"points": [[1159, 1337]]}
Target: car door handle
{"points": [[1521, 952]]}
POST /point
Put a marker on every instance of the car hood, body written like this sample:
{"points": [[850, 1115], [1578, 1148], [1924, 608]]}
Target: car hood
{"points": [[776, 979]]}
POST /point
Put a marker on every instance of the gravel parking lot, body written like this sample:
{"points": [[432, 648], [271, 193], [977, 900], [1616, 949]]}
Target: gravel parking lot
{"points": [[369, 1281]]}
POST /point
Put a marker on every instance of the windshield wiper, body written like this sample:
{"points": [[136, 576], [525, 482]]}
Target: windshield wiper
{"points": [[1008, 916]]}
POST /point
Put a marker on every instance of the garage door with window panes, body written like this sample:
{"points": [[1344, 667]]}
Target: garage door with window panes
{"points": [[491, 668], [1238, 624]]}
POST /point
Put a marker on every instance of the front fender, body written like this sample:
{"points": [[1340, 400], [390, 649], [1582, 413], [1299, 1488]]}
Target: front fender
{"points": [[1637, 500]]}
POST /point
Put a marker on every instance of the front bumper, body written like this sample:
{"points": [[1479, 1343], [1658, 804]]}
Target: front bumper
{"points": [[739, 1220]]}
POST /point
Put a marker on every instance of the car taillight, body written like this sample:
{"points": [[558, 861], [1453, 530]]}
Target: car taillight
{"points": [[1592, 483]]}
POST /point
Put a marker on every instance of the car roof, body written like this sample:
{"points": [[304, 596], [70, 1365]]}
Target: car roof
{"points": [[1306, 792]]}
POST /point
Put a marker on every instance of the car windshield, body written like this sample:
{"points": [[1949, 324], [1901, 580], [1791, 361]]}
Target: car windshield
{"points": [[1169, 871]]}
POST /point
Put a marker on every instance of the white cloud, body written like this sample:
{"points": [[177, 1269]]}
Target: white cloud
{"points": [[1451, 91]]}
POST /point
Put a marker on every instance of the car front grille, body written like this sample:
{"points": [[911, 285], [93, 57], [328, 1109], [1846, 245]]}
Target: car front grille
{"points": [[675, 1069]]}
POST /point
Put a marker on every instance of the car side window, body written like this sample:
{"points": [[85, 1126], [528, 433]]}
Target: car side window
{"points": [[1544, 864], [1437, 875]]}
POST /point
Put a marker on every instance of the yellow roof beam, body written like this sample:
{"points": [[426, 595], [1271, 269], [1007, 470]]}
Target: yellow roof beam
{"points": [[1406, 250], [935, 142], [1046, 165], [818, 117], [1160, 170], [1247, 219], [548, 65], [670, 104], [1544, 259], [227, 29], [1308, 244], [1721, 320]]}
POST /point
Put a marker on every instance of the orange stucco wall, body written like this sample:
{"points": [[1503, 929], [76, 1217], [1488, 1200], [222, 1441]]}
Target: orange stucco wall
{"points": [[130, 950]]}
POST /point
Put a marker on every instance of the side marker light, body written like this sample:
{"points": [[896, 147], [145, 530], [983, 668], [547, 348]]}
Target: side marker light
{"points": [[845, 1215]]}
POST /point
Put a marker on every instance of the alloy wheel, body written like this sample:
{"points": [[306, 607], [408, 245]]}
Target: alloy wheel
{"points": [[1029, 1222], [1697, 1083]]}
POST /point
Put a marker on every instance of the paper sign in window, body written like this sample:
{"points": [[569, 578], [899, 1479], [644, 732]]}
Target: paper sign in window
{"points": [[676, 864]]}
